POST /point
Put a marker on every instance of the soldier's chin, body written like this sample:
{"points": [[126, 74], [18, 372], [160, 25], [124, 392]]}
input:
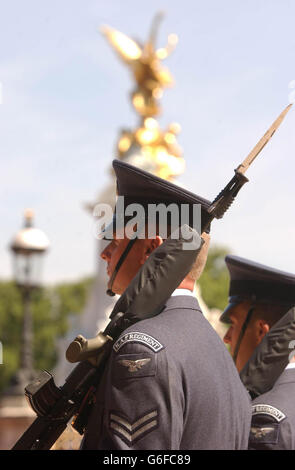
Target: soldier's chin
{"points": [[114, 288]]}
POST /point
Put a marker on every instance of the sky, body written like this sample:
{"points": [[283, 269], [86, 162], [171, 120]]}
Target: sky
{"points": [[64, 97]]}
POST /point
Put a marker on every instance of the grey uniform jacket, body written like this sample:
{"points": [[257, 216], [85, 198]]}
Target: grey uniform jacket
{"points": [[273, 421], [170, 383]]}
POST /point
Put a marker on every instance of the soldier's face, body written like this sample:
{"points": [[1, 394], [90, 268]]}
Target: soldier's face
{"points": [[135, 259], [251, 338]]}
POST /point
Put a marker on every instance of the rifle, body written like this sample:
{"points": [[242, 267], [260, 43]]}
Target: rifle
{"points": [[55, 406], [270, 357], [144, 298]]}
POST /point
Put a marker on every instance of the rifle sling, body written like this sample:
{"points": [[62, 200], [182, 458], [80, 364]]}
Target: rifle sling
{"points": [[242, 332], [119, 264]]}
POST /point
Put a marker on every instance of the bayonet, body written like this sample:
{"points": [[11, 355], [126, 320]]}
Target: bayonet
{"points": [[243, 167], [225, 198]]}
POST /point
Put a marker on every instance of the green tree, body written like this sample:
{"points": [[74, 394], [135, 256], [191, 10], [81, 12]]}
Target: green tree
{"points": [[51, 308], [214, 281]]}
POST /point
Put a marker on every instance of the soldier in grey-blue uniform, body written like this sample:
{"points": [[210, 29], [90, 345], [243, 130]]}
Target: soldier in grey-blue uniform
{"points": [[259, 296], [273, 421], [169, 383]]}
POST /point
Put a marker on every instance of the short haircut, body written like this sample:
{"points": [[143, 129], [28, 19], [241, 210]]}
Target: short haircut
{"points": [[270, 312], [200, 263]]}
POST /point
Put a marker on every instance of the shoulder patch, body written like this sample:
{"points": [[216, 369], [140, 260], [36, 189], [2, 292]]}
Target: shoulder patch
{"points": [[138, 337], [269, 410], [263, 434], [128, 366]]}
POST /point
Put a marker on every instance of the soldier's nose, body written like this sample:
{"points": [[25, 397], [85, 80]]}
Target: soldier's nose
{"points": [[106, 254]]}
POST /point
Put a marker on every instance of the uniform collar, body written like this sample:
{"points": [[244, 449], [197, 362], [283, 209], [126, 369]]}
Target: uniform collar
{"points": [[288, 376], [291, 365], [182, 292], [183, 302]]}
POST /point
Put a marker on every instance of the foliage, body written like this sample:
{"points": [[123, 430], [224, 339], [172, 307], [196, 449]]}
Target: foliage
{"points": [[51, 308], [214, 281]]}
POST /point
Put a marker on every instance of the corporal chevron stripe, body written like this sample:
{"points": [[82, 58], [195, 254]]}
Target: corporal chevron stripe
{"points": [[131, 432]]}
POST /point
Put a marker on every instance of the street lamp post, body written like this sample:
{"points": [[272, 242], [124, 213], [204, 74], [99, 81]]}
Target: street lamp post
{"points": [[28, 247]]}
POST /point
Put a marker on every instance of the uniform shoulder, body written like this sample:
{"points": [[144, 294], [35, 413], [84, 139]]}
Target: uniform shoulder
{"points": [[135, 354], [181, 318], [267, 426], [138, 335], [264, 410]]}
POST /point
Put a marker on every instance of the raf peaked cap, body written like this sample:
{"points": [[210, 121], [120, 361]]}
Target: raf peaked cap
{"points": [[140, 187], [258, 283]]}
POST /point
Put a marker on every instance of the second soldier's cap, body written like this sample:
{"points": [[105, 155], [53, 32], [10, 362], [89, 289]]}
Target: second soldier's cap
{"points": [[258, 283], [140, 187]]}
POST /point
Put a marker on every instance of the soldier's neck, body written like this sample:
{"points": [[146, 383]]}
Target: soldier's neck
{"points": [[187, 284]]}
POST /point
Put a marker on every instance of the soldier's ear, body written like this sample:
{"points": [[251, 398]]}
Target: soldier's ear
{"points": [[262, 329], [150, 244]]}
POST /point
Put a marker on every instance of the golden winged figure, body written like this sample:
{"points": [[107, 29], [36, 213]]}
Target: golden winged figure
{"points": [[148, 146], [144, 60]]}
